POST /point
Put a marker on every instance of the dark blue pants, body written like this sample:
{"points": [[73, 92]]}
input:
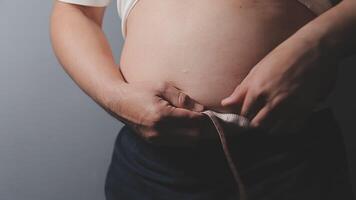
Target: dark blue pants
{"points": [[310, 165]]}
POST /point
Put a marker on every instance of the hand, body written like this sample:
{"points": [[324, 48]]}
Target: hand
{"points": [[280, 92], [159, 112]]}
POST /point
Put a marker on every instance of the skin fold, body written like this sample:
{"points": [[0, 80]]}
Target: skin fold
{"points": [[205, 47], [181, 57]]}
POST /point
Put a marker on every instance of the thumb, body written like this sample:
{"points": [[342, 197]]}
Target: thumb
{"points": [[181, 100], [183, 117]]}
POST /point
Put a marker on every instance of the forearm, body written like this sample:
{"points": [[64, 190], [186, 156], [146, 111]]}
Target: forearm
{"points": [[333, 33], [83, 50]]}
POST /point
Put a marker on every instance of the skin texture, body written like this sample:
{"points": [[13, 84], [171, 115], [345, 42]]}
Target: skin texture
{"points": [[82, 49], [304, 70], [138, 95], [205, 47]]}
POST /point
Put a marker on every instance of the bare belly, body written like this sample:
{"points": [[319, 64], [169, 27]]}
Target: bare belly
{"points": [[205, 47]]}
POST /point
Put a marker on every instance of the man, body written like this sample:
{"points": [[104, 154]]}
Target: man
{"points": [[278, 83]]}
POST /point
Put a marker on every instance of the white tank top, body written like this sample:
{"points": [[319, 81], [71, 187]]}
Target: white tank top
{"points": [[124, 7]]}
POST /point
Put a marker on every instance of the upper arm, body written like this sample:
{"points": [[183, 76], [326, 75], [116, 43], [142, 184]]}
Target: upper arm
{"points": [[93, 9]]}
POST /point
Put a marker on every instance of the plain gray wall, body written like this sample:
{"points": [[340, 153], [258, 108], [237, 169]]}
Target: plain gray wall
{"points": [[55, 142]]}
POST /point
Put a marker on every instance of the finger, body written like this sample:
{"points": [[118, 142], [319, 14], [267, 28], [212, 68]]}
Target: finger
{"points": [[256, 122], [181, 100], [266, 118], [273, 110], [251, 105], [179, 117], [236, 98]]}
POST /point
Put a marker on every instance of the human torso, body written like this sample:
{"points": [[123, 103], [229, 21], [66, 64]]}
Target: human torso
{"points": [[205, 47]]}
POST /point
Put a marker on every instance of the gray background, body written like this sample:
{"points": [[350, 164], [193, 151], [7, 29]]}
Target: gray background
{"points": [[55, 142]]}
